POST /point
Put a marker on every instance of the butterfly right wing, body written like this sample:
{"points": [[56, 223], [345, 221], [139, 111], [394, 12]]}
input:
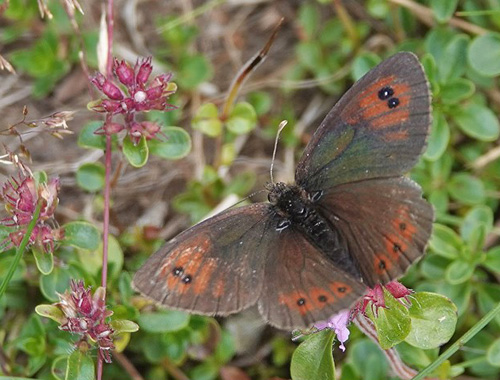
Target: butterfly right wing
{"points": [[214, 267]]}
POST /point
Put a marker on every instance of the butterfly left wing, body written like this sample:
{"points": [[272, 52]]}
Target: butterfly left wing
{"points": [[301, 286], [378, 129], [214, 267], [385, 222]]}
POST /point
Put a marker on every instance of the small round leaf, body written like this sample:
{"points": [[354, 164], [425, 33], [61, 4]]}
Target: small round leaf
{"points": [[466, 189], [313, 358], [91, 176], [176, 145], [478, 121], [137, 155], [242, 119], [484, 54], [163, 321], [82, 235], [433, 320]]}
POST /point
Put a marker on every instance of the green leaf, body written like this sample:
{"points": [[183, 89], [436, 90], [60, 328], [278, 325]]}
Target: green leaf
{"points": [[478, 121], [207, 121], [444, 9], [313, 358], [368, 360], [82, 235], [363, 63], [439, 137], [56, 282], [52, 312], [163, 321], [177, 144], [88, 139], [59, 366], [80, 367], [445, 242], [453, 64], [44, 260], [475, 217], [242, 119], [194, 69], [137, 155], [309, 55], [91, 261], [459, 271], [308, 19], [466, 189], [492, 261], [433, 320], [493, 353], [91, 176], [484, 54], [123, 325], [261, 102], [456, 90], [392, 323]]}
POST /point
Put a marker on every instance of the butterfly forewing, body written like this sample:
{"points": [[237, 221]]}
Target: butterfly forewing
{"points": [[377, 129], [385, 223], [215, 267]]}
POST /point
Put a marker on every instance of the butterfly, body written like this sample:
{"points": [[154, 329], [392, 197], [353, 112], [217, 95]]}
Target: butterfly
{"points": [[351, 220]]}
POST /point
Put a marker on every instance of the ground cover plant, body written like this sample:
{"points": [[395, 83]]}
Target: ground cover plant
{"points": [[126, 122]]}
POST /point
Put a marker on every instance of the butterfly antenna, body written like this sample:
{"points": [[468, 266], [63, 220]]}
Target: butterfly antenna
{"points": [[280, 128]]}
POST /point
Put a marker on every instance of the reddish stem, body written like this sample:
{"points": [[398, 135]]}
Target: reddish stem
{"points": [[107, 186]]}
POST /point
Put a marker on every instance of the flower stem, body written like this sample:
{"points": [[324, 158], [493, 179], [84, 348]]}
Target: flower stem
{"points": [[20, 249], [459, 343]]}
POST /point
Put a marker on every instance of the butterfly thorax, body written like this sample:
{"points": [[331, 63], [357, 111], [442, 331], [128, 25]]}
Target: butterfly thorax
{"points": [[295, 206]]}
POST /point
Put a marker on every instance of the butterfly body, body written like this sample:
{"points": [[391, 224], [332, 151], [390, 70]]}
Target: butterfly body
{"points": [[351, 219], [297, 210]]}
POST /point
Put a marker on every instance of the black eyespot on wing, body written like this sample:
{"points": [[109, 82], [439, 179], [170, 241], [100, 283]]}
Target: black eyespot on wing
{"points": [[393, 102], [385, 93], [187, 279], [322, 298], [177, 271], [301, 301], [381, 264], [341, 289]]}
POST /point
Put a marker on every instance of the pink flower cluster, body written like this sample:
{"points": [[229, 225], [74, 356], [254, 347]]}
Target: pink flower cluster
{"points": [[21, 197], [374, 298], [85, 315], [133, 94]]}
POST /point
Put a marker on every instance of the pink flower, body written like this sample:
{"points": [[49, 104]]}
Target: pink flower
{"points": [[21, 197], [338, 323], [85, 315], [132, 94]]}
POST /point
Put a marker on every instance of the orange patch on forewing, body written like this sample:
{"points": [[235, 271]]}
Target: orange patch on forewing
{"points": [[292, 301], [340, 289], [188, 258], [351, 114], [381, 264], [203, 277]]}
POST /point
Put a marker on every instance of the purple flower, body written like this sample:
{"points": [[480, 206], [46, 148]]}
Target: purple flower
{"points": [[338, 323]]}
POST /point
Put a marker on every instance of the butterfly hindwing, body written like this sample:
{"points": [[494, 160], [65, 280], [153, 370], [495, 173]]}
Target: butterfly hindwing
{"points": [[385, 222], [377, 129], [214, 267], [301, 286]]}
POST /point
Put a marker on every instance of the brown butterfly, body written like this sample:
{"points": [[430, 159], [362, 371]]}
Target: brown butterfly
{"points": [[352, 219]]}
